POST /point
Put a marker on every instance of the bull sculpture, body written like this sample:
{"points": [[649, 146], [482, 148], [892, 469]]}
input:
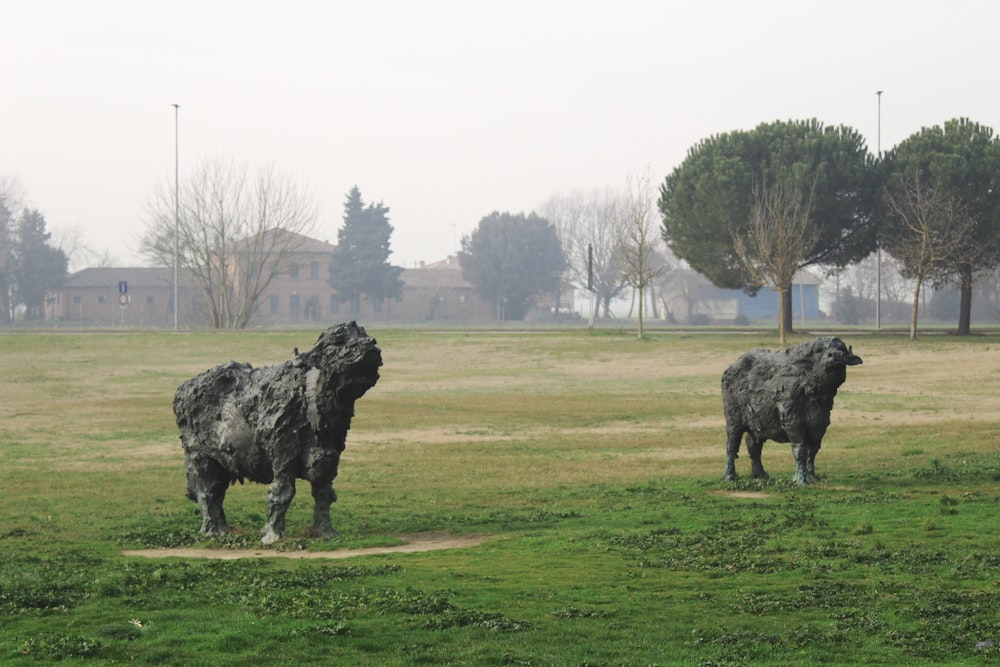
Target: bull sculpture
{"points": [[273, 425], [786, 397]]}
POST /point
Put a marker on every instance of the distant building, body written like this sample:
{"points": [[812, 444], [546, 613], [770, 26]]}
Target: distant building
{"points": [[299, 294], [766, 303], [121, 296], [431, 292], [438, 292], [688, 297]]}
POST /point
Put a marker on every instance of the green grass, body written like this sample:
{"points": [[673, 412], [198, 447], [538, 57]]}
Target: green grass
{"points": [[592, 462]]}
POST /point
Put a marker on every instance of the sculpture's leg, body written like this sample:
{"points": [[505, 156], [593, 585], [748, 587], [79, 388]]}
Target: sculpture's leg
{"points": [[213, 517], [811, 463], [733, 437], [801, 453], [754, 447], [207, 485], [279, 497], [324, 496]]}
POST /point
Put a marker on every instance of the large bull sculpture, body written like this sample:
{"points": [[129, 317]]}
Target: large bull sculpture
{"points": [[786, 397], [273, 425]]}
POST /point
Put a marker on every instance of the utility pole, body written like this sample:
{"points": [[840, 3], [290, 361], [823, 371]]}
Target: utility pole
{"points": [[878, 243], [177, 215]]}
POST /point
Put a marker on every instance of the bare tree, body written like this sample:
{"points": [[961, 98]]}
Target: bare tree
{"points": [[928, 232], [682, 290], [587, 221], [70, 239], [637, 247], [235, 234], [779, 235]]}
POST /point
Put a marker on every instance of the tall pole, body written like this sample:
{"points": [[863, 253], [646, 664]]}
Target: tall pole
{"points": [[878, 244], [177, 211]]}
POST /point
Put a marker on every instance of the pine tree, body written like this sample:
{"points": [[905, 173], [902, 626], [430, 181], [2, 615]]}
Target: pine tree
{"points": [[38, 267], [360, 264]]}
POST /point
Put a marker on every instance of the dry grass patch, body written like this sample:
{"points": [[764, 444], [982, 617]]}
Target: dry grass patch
{"points": [[606, 405]]}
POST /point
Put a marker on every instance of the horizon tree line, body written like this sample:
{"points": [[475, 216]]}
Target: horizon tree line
{"points": [[745, 209]]}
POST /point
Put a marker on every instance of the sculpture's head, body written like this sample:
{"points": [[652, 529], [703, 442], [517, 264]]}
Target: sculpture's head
{"points": [[835, 353], [347, 360]]}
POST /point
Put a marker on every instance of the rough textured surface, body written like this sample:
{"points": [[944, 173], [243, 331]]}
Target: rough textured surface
{"points": [[783, 396], [273, 425]]}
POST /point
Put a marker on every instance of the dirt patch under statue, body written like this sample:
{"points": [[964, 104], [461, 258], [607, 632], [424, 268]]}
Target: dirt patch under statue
{"points": [[413, 544]]}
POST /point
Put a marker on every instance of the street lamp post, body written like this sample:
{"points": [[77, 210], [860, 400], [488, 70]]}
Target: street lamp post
{"points": [[878, 244], [177, 215]]}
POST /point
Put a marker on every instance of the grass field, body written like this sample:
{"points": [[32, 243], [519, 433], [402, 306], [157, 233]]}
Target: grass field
{"points": [[592, 464]]}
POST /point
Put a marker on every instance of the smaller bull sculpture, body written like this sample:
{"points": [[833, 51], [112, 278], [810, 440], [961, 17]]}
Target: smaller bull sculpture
{"points": [[786, 397], [273, 425]]}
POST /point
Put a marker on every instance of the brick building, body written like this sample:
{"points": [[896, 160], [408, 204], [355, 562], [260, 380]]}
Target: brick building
{"points": [[121, 296], [298, 295], [300, 292], [438, 292]]}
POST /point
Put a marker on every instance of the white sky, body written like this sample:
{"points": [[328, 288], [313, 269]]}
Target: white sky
{"points": [[446, 110]]}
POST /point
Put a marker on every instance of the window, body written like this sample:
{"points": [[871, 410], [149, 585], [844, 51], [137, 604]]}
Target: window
{"points": [[275, 303], [77, 299], [293, 303], [150, 300], [334, 304], [314, 271], [312, 308], [293, 272], [101, 299]]}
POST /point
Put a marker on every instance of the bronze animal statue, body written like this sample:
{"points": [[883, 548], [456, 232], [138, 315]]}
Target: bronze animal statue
{"points": [[273, 425], [786, 397]]}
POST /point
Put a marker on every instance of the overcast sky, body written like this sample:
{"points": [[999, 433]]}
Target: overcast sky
{"points": [[446, 110]]}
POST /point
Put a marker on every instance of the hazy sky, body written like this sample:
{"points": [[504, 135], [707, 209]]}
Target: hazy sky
{"points": [[446, 110]]}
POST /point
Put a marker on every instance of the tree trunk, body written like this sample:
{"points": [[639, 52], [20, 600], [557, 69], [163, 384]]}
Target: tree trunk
{"points": [[784, 307], [4, 304], [965, 304], [641, 306], [785, 310], [916, 308]]}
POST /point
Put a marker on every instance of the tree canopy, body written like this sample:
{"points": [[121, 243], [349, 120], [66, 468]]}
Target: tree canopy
{"points": [[961, 161], [706, 202], [38, 266], [511, 258], [360, 264]]}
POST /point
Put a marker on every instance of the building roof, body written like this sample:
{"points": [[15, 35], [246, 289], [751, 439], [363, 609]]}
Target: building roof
{"points": [[110, 276], [298, 243], [444, 274], [451, 262], [806, 277]]}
